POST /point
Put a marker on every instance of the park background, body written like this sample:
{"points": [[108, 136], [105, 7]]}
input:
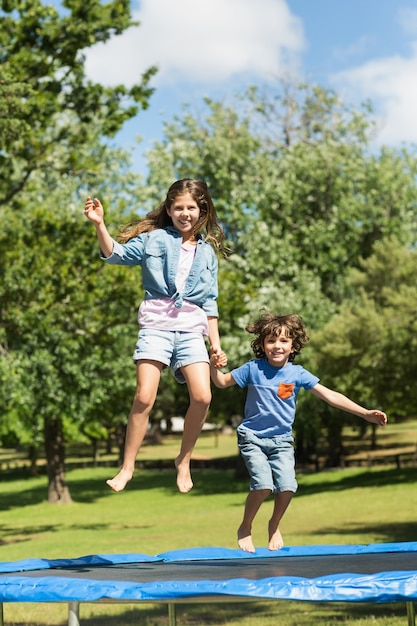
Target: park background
{"points": [[319, 209]]}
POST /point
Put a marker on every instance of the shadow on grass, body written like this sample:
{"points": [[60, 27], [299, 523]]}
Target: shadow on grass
{"points": [[363, 478], [395, 532], [206, 482], [86, 490], [90, 488], [212, 482], [8, 534], [27, 497]]}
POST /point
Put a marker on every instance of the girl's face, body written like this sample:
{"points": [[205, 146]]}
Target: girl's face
{"points": [[278, 348], [184, 212]]}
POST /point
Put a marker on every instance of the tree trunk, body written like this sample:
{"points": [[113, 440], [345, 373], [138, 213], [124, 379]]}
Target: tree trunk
{"points": [[95, 446], [305, 447], [334, 442], [33, 458], [373, 437], [121, 438], [58, 491]]}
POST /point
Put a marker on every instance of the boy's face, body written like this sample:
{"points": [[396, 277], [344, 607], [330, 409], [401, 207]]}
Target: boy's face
{"points": [[278, 348]]}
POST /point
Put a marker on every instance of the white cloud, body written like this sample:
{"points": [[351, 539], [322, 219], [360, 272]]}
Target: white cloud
{"points": [[390, 83], [201, 41], [407, 17]]}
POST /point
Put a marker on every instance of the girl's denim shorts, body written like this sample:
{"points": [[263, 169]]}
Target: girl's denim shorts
{"points": [[270, 461], [172, 348]]}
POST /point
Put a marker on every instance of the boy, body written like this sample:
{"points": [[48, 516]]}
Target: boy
{"points": [[265, 435]]}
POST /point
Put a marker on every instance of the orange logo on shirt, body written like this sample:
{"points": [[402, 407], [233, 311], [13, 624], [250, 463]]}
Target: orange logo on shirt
{"points": [[285, 390]]}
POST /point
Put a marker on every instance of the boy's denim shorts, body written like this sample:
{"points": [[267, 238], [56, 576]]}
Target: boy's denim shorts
{"points": [[270, 461], [172, 348]]}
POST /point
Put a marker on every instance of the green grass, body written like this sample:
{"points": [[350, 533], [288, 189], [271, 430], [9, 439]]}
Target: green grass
{"points": [[215, 445], [352, 506]]}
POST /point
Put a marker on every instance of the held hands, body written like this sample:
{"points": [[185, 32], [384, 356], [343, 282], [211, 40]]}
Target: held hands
{"points": [[376, 417], [94, 210], [218, 358]]}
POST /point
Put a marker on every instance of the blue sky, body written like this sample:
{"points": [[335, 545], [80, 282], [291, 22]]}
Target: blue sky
{"points": [[365, 49]]}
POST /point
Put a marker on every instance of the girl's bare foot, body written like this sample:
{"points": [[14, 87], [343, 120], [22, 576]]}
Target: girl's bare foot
{"points": [[244, 540], [119, 482], [276, 541], [184, 480]]}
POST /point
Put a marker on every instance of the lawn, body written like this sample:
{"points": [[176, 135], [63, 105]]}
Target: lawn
{"points": [[351, 506]]}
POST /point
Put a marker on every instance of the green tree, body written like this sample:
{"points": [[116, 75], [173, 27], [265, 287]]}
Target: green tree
{"points": [[294, 178], [61, 317], [368, 350], [44, 92], [14, 99], [303, 196], [68, 323]]}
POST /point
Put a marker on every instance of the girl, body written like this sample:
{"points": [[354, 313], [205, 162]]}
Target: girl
{"points": [[179, 276]]}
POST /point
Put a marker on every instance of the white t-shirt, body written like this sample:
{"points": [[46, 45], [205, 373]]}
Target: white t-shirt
{"points": [[162, 314]]}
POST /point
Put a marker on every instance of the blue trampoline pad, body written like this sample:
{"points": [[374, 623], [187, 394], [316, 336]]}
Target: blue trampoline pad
{"points": [[361, 573]]}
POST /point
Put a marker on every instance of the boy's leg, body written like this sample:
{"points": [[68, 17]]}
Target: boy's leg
{"points": [[148, 374], [197, 377], [281, 503], [254, 451], [244, 533]]}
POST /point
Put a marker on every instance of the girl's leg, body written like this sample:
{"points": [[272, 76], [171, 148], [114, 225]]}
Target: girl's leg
{"points": [[197, 377], [244, 533], [281, 503], [148, 374]]}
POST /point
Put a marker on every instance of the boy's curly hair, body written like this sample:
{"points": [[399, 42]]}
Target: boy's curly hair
{"points": [[269, 324]]}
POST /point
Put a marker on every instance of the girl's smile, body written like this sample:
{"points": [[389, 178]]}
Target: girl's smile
{"points": [[184, 212]]}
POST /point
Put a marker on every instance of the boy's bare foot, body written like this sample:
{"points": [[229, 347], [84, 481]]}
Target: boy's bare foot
{"points": [[244, 540], [276, 541], [119, 482], [184, 480]]}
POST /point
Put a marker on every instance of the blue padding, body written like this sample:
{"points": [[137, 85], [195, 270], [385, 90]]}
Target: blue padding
{"points": [[384, 587], [206, 553], [28, 565], [196, 554]]}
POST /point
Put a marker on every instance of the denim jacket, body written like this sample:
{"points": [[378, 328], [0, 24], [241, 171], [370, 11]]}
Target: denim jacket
{"points": [[158, 252]]}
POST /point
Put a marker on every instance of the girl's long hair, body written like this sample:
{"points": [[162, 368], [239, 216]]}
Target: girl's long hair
{"points": [[207, 224]]}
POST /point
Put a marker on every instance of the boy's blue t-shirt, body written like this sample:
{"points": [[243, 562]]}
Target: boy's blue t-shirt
{"points": [[272, 393]]}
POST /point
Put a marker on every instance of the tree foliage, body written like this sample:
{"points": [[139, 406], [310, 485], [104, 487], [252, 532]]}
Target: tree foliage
{"points": [[370, 346], [304, 197], [62, 320], [368, 349], [67, 325], [309, 209], [44, 91]]}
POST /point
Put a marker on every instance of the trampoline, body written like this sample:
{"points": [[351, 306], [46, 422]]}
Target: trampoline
{"points": [[376, 573]]}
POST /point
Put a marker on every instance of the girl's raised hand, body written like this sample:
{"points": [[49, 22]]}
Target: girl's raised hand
{"points": [[94, 210]]}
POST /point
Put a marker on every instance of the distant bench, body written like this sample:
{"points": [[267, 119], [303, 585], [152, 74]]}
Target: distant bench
{"points": [[398, 455]]}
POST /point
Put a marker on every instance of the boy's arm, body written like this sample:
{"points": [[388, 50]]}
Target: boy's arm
{"points": [[220, 358], [220, 379], [339, 401]]}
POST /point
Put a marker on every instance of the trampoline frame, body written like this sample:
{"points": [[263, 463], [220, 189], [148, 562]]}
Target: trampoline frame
{"points": [[74, 608]]}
